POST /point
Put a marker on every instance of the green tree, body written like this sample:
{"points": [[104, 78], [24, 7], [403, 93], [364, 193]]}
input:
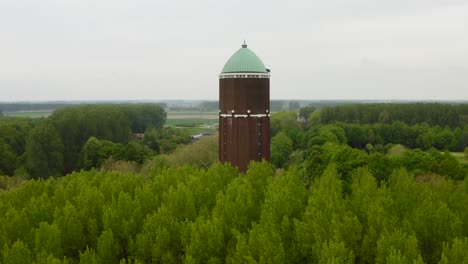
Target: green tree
{"points": [[434, 223], [281, 149], [180, 202], [265, 244], [7, 158], [304, 114], [44, 258], [464, 136], [258, 176], [241, 254], [89, 256], [451, 167], [335, 253], [48, 240], [160, 239], [444, 140], [91, 153], [237, 206], [96, 151], [114, 122], [285, 200], [334, 134], [151, 139], [16, 225], [326, 218], [371, 205], [123, 217], [347, 159], [285, 196], [399, 245], [314, 163], [206, 150], [44, 152], [135, 151], [19, 253], [205, 242], [315, 118], [72, 235], [457, 253], [283, 121], [107, 248]]}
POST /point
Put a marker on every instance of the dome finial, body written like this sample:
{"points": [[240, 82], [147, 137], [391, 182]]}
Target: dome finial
{"points": [[244, 45]]}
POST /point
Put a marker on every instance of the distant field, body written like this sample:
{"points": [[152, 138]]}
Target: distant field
{"points": [[185, 115], [187, 122], [192, 115], [32, 114], [197, 130], [193, 122]]}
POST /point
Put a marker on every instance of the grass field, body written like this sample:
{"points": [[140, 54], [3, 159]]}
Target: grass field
{"points": [[190, 122], [193, 116], [460, 156], [193, 113], [193, 122]]}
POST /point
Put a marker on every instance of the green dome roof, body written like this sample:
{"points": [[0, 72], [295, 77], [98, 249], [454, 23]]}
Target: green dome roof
{"points": [[244, 60]]}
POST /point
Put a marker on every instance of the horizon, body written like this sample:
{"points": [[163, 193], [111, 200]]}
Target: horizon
{"points": [[215, 100], [139, 50]]}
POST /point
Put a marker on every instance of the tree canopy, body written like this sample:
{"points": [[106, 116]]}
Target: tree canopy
{"points": [[217, 215]]}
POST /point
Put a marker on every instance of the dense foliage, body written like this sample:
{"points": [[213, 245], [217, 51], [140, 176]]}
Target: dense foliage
{"points": [[431, 113], [217, 215], [13, 135], [314, 145], [56, 145], [16, 106], [420, 136], [75, 125]]}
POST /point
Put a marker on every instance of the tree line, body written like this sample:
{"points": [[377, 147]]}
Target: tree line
{"points": [[312, 145], [455, 115], [13, 136], [52, 106], [54, 146], [420, 136]]}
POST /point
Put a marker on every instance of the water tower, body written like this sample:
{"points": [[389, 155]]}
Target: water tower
{"points": [[244, 110]]}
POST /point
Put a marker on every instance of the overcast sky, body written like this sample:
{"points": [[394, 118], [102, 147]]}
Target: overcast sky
{"points": [[151, 50]]}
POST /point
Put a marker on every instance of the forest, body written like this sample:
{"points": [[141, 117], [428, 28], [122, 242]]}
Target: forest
{"points": [[79, 188], [65, 141]]}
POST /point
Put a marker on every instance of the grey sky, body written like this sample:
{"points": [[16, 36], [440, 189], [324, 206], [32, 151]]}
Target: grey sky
{"points": [[348, 49]]}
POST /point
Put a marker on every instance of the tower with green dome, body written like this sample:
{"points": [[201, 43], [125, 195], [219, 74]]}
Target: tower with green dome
{"points": [[244, 109]]}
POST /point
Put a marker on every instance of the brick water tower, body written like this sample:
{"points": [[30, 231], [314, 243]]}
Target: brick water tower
{"points": [[244, 110]]}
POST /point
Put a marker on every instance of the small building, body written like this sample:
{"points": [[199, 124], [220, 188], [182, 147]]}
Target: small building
{"points": [[244, 110], [138, 135]]}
